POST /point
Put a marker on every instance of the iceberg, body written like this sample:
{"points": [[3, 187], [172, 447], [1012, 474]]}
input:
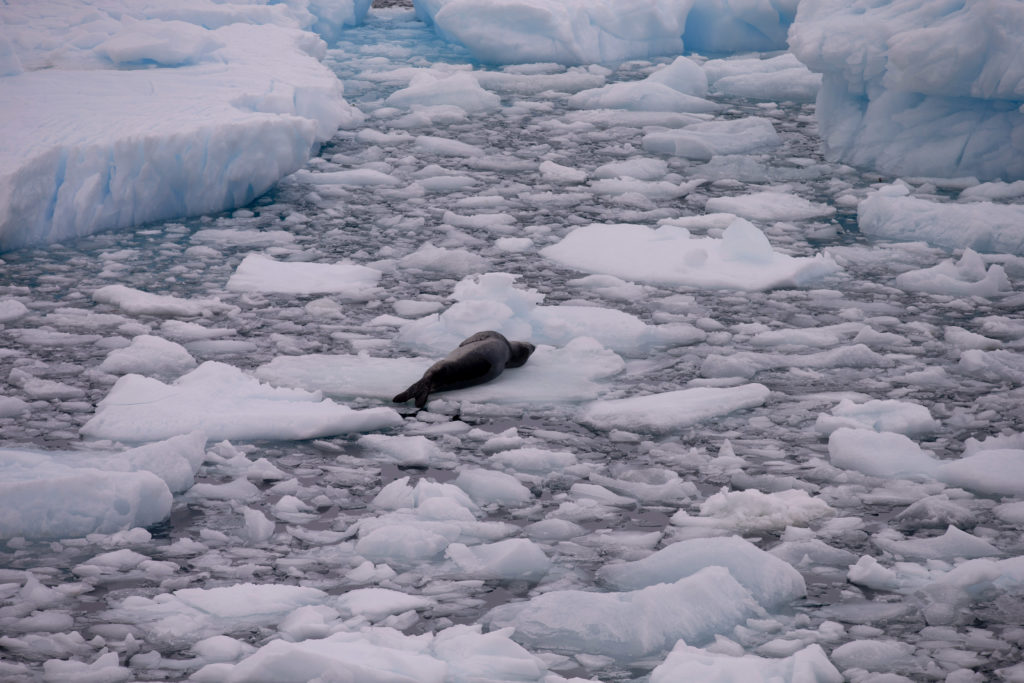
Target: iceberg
{"points": [[121, 113], [916, 87]]}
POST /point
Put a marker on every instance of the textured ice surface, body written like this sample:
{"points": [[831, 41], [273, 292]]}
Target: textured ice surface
{"points": [[686, 663], [742, 258], [224, 403], [916, 87]]}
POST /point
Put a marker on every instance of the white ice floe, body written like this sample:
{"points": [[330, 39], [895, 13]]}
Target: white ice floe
{"points": [[673, 410], [891, 213], [68, 494], [995, 472], [898, 98], [772, 582], [702, 141], [752, 510], [778, 78], [149, 355], [880, 454], [225, 403], [177, 112], [259, 273], [686, 663], [770, 205], [491, 301], [678, 87], [460, 89], [966, 277], [137, 302], [888, 415], [742, 258], [569, 374], [693, 608]]}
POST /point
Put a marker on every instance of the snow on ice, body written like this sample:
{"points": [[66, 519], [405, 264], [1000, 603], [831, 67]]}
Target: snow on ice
{"points": [[771, 430]]}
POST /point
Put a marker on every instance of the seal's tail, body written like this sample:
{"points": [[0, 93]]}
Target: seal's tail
{"points": [[419, 390]]}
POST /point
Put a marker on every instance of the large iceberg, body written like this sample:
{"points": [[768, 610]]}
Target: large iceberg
{"points": [[918, 87], [117, 113], [584, 32]]}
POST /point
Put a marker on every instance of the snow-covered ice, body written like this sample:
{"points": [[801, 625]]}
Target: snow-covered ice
{"points": [[771, 430]]}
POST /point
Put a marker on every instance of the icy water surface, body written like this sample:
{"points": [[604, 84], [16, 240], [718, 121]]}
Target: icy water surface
{"points": [[771, 448]]}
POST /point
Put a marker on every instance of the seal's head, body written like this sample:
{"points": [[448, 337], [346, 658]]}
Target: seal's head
{"points": [[520, 354]]}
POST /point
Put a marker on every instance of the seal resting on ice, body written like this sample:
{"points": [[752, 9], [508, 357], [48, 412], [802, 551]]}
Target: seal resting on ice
{"points": [[478, 359]]}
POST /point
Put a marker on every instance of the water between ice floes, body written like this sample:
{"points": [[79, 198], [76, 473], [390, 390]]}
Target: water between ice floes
{"points": [[772, 448]]}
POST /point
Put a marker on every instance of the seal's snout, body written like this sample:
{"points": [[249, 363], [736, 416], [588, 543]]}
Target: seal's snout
{"points": [[520, 353]]}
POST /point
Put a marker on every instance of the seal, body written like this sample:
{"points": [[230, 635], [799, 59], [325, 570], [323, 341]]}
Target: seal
{"points": [[478, 359]]}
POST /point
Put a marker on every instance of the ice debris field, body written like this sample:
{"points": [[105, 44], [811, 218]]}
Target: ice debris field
{"points": [[771, 254]]}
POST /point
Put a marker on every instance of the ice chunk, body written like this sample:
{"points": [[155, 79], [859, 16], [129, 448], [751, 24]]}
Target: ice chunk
{"points": [[632, 624], [954, 543], [226, 112], [489, 486], [263, 274], [741, 259], [752, 510], [137, 302], [996, 472], [644, 95], [687, 663], [407, 451], [781, 78], [514, 559], [770, 206], [149, 355], [106, 668], [459, 89], [701, 141], [571, 32], [890, 415], [377, 603], [190, 614], [966, 277], [224, 403], [880, 454], [890, 213], [873, 655], [895, 96], [673, 410], [771, 581]]}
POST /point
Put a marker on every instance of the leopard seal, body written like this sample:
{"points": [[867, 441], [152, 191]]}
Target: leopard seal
{"points": [[478, 359]]}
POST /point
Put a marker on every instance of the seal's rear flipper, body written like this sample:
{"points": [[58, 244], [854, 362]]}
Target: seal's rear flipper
{"points": [[419, 390]]}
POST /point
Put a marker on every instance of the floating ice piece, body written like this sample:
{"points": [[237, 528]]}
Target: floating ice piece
{"points": [[149, 355], [631, 624], [747, 363], [673, 410], [888, 415], [137, 302], [701, 141], [11, 310], [996, 472], [68, 494], [514, 559], [685, 663], [966, 277], [741, 259], [643, 95], [873, 655], [649, 484], [771, 581], [571, 32], [104, 148], [684, 75], [995, 365], [459, 89], [894, 97], [953, 544], [491, 301], [879, 454], [487, 487], [557, 173], [377, 603], [781, 78], [890, 213], [533, 460], [752, 510], [190, 614], [385, 655], [354, 177], [569, 374], [770, 206], [105, 668], [259, 273], [406, 451], [455, 262], [224, 403]]}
